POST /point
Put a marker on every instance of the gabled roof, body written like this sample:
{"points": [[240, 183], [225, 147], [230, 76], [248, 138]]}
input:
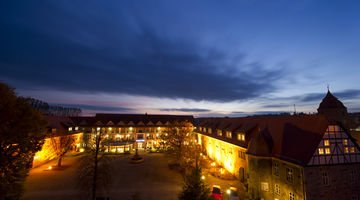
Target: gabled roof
{"points": [[295, 138], [61, 124], [132, 119]]}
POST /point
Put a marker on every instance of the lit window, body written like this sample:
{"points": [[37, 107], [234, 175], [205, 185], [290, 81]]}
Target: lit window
{"points": [[265, 186], [277, 189], [291, 196], [345, 142], [321, 151], [228, 134], [76, 128], [346, 150], [327, 150], [219, 132], [70, 128], [352, 150], [325, 178], [326, 143], [289, 175], [209, 130], [241, 136]]}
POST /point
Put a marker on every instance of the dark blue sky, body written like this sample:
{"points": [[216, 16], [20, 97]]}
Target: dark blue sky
{"points": [[195, 57]]}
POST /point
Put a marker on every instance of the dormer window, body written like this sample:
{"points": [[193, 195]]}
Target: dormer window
{"points": [[228, 134], [209, 130], [241, 136], [219, 132]]}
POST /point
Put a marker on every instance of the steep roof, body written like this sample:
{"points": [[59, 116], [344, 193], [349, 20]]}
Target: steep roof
{"points": [[61, 124], [295, 138], [261, 144], [125, 119], [330, 101]]}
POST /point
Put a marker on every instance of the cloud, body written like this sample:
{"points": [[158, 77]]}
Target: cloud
{"points": [[185, 109], [342, 95], [96, 108], [280, 105], [258, 113], [238, 112], [54, 47]]}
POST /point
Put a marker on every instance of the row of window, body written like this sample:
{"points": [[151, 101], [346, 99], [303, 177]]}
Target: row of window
{"points": [[240, 136], [327, 150], [345, 142], [75, 128]]}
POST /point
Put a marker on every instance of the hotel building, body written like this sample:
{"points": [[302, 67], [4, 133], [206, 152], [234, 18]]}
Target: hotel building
{"points": [[121, 133]]}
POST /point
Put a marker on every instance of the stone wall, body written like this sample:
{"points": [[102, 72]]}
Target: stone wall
{"points": [[265, 184], [343, 182]]}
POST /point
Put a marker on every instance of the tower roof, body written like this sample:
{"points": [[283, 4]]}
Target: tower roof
{"points": [[261, 144], [330, 101]]}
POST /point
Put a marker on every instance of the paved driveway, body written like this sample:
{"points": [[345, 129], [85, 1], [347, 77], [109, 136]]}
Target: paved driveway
{"points": [[149, 180]]}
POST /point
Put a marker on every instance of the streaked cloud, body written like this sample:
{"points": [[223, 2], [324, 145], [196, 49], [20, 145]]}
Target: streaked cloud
{"points": [[192, 110]]}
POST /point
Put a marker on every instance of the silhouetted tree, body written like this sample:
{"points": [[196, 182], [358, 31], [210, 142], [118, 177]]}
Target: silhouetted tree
{"points": [[94, 172], [22, 132], [53, 110]]}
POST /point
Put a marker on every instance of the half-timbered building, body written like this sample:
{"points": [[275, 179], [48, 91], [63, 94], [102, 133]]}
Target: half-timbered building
{"points": [[288, 157]]}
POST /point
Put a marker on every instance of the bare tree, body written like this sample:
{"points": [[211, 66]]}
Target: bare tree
{"points": [[94, 170], [180, 141], [61, 145]]}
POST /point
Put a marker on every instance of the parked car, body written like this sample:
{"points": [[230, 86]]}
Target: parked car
{"points": [[233, 194], [216, 192]]}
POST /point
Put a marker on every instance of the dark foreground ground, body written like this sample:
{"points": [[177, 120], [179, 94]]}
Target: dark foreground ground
{"points": [[149, 180]]}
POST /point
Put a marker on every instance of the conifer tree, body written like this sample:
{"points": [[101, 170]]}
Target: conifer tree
{"points": [[194, 187]]}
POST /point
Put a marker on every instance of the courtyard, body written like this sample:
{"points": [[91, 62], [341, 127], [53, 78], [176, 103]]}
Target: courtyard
{"points": [[149, 180]]}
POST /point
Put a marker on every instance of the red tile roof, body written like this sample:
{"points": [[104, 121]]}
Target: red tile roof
{"points": [[104, 119], [61, 124], [295, 138]]}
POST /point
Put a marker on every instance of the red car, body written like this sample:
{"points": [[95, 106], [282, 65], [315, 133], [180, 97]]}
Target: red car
{"points": [[216, 192]]}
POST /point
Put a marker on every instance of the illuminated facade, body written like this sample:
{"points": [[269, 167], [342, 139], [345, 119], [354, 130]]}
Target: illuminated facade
{"points": [[58, 126], [125, 132], [288, 157]]}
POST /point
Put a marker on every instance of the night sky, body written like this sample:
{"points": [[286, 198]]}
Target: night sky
{"points": [[206, 58]]}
